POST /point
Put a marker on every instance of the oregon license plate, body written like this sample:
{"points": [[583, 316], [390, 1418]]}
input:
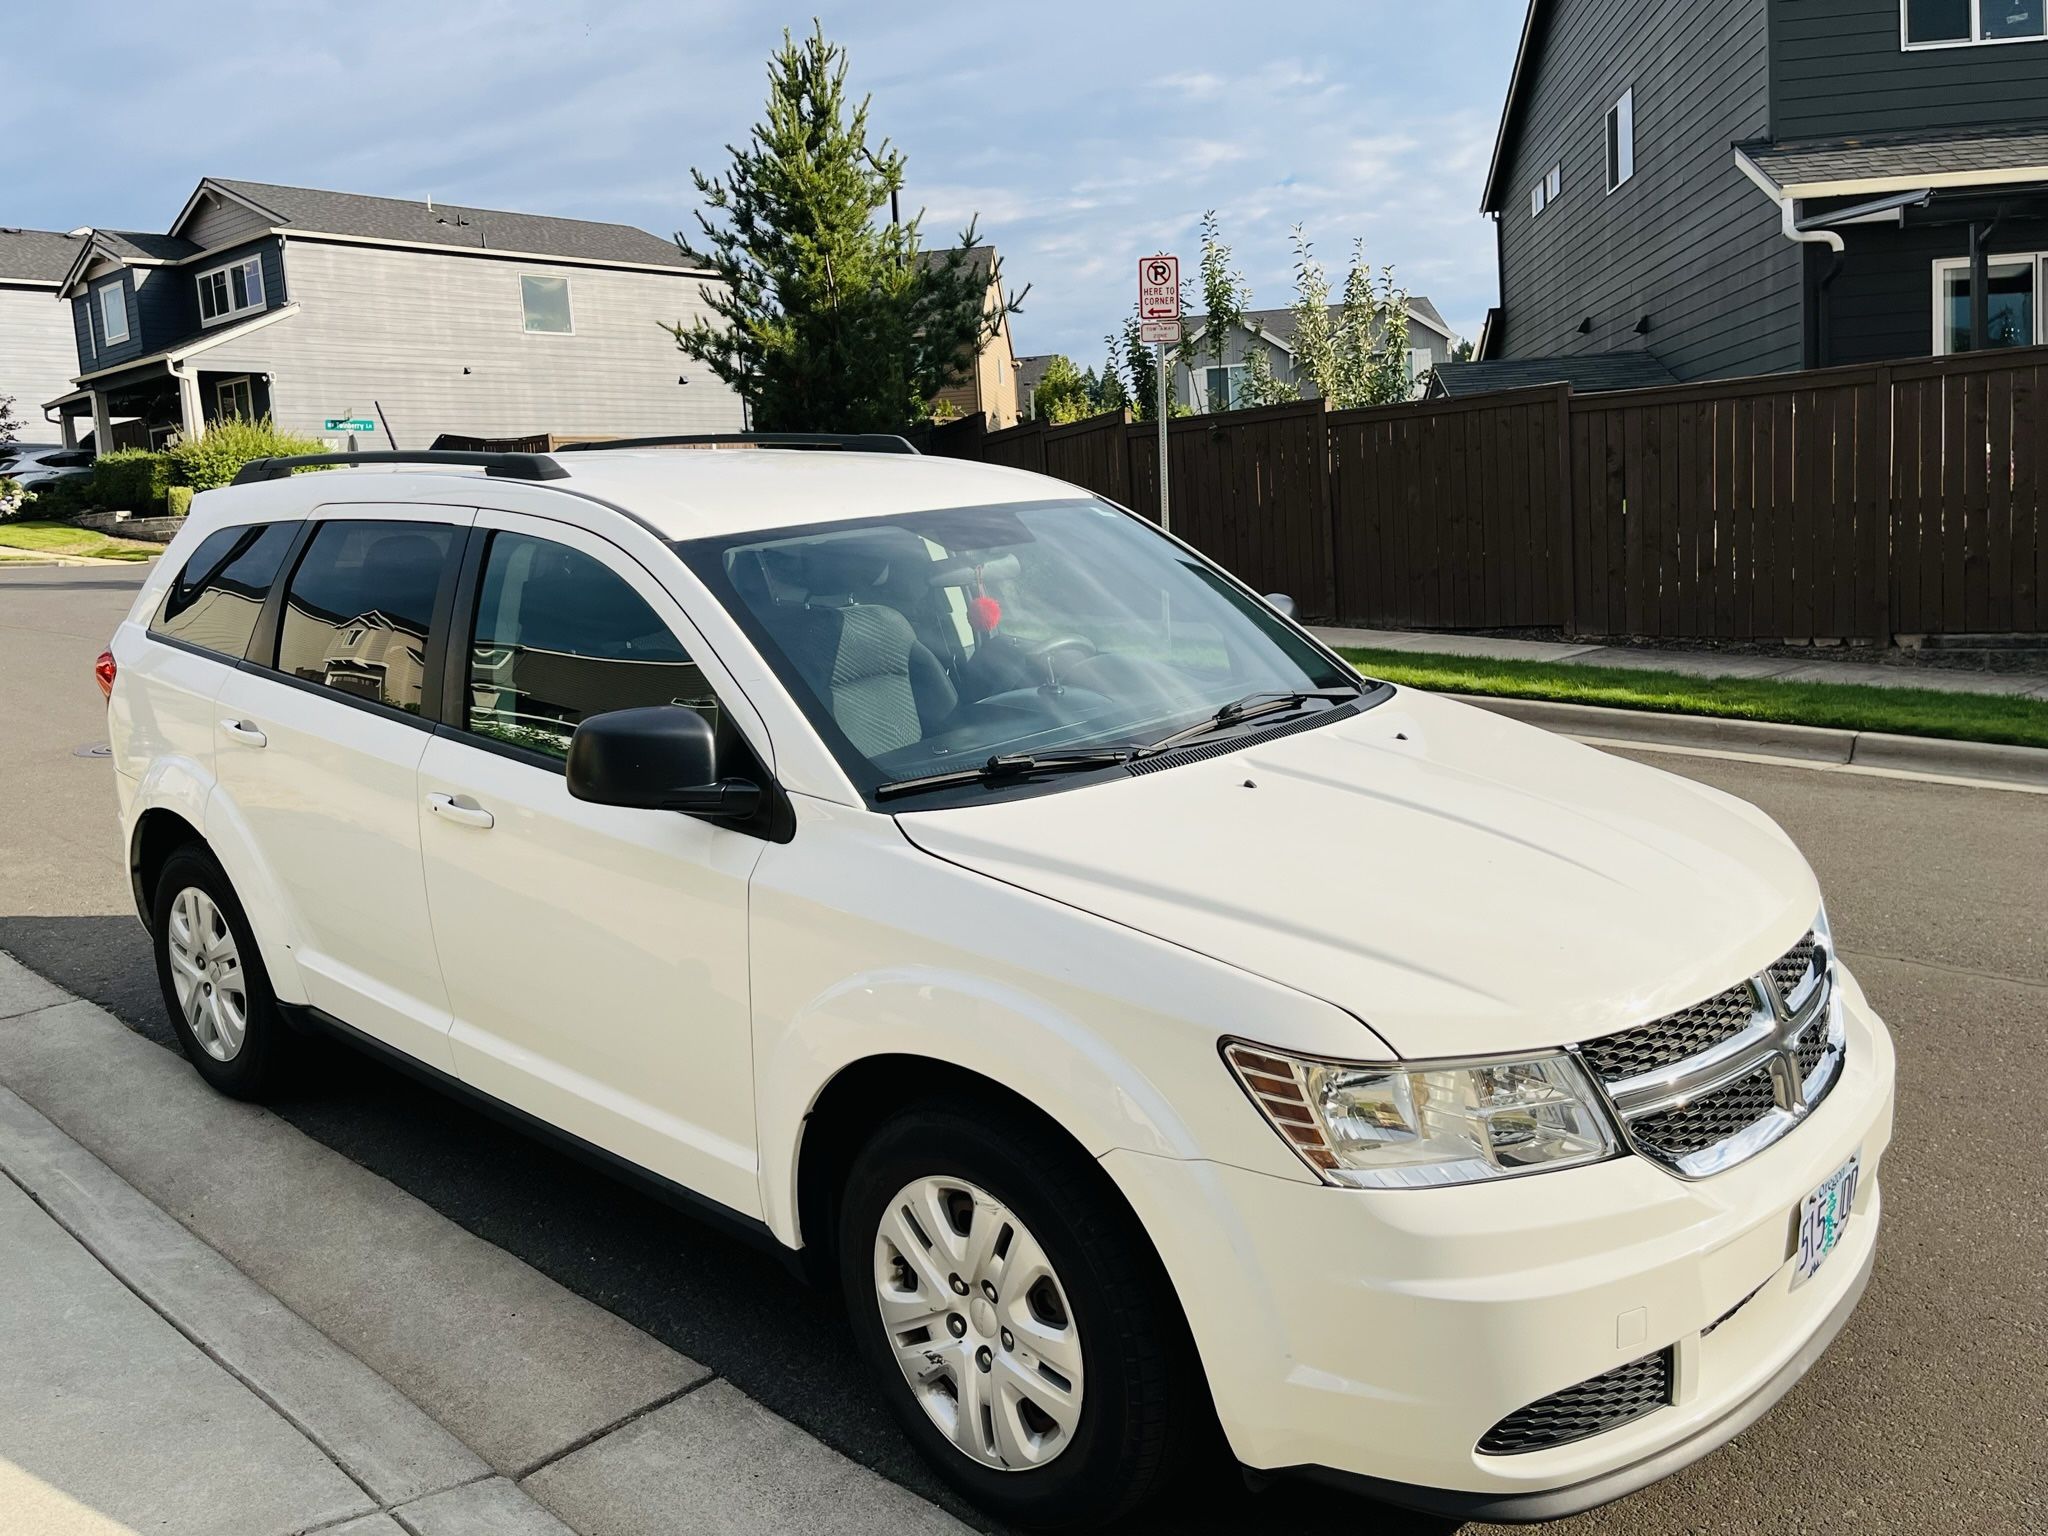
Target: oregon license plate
{"points": [[1822, 1216]]}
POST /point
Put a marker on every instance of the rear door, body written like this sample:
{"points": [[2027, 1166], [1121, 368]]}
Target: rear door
{"points": [[595, 956], [319, 750]]}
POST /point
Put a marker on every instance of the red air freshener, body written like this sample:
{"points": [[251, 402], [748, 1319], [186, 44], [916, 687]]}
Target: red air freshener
{"points": [[984, 613]]}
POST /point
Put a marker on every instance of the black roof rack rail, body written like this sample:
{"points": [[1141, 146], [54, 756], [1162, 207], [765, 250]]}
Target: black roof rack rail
{"points": [[845, 442], [508, 466]]}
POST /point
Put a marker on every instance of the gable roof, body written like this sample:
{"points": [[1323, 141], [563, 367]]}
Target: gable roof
{"points": [[416, 222], [1586, 372], [133, 244], [37, 256], [1537, 16], [1278, 324]]}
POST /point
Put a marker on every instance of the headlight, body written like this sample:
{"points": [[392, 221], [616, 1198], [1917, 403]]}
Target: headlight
{"points": [[1414, 1127]]}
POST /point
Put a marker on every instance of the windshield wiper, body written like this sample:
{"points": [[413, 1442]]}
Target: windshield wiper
{"points": [[1267, 701], [1006, 765]]}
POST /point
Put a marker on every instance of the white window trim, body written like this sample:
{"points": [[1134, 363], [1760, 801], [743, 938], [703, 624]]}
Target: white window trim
{"points": [[1976, 39], [1623, 115], [1945, 265], [568, 295], [229, 384], [1541, 196], [1228, 368], [99, 297], [258, 294]]}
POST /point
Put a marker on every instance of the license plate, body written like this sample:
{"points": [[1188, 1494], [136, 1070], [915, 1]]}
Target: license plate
{"points": [[1822, 1217]]}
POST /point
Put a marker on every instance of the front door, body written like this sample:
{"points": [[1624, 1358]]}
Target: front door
{"points": [[595, 957], [318, 753]]}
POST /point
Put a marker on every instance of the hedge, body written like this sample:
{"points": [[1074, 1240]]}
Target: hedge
{"points": [[178, 500], [212, 458], [131, 480]]}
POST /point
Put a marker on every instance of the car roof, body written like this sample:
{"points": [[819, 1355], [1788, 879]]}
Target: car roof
{"points": [[704, 492]]}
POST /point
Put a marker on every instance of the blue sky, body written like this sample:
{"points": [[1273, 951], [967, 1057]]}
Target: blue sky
{"points": [[1085, 135]]}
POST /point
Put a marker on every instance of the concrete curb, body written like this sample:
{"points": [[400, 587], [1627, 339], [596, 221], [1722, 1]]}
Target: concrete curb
{"points": [[1981, 760]]}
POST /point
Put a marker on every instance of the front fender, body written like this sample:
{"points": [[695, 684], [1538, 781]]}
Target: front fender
{"points": [[865, 946]]}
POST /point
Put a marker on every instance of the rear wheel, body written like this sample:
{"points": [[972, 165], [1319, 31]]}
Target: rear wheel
{"points": [[1020, 1327], [214, 985]]}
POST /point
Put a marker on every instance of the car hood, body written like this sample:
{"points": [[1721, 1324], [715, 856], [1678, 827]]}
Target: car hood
{"points": [[1461, 883]]}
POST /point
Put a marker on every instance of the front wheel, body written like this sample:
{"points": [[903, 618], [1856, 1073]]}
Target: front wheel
{"points": [[1020, 1327]]}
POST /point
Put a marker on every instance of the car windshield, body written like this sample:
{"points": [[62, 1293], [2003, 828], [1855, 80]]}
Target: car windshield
{"points": [[930, 642]]}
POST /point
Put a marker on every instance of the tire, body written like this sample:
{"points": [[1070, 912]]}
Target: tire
{"points": [[222, 1008], [1137, 1407]]}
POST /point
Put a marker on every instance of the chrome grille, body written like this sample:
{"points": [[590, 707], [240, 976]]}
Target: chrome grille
{"points": [[1703, 1088], [1685, 1033], [1592, 1407]]}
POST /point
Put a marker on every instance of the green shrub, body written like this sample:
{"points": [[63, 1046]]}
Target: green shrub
{"points": [[178, 500], [61, 499], [212, 458], [132, 480]]}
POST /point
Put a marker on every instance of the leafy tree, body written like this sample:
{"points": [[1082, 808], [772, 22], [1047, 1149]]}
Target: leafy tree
{"points": [[828, 318], [9, 424], [1062, 394], [1260, 386], [1315, 341], [1110, 394], [1225, 297], [1143, 370]]}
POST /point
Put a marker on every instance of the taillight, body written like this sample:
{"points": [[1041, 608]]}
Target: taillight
{"points": [[103, 673]]}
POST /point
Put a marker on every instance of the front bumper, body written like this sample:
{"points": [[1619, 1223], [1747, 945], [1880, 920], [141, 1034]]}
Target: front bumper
{"points": [[1376, 1335]]}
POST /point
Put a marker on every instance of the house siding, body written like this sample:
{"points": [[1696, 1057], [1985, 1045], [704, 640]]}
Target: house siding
{"points": [[1881, 303], [107, 354], [271, 250], [221, 221], [1687, 241], [1838, 68], [38, 355], [399, 327]]}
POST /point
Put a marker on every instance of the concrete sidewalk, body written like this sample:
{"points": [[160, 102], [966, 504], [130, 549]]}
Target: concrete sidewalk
{"points": [[210, 1324], [1822, 665]]}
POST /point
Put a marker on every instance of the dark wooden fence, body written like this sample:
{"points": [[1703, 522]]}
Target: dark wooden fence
{"points": [[1854, 503]]}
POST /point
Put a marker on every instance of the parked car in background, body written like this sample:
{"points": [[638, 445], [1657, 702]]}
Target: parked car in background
{"points": [[941, 875], [34, 466]]}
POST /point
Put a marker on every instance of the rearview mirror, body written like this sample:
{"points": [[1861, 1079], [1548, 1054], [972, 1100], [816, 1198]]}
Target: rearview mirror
{"points": [[1281, 604], [661, 758]]}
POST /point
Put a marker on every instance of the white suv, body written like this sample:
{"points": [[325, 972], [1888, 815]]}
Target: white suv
{"points": [[942, 875]]}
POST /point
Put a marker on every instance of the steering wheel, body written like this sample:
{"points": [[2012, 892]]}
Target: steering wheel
{"points": [[1046, 650]]}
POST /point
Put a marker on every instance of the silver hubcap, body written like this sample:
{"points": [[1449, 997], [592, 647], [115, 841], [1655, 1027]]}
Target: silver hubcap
{"points": [[206, 972], [979, 1323]]}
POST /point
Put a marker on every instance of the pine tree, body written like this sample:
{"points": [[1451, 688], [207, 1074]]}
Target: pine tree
{"points": [[827, 318]]}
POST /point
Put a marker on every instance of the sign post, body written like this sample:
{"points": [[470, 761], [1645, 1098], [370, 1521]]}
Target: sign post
{"points": [[1159, 323]]}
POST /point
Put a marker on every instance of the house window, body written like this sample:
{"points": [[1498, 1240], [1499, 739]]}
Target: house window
{"points": [[1621, 139], [113, 313], [546, 301], [229, 291], [1223, 388], [234, 398], [2012, 310], [1546, 191], [1960, 23]]}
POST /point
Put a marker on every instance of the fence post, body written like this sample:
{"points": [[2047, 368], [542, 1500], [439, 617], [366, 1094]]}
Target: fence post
{"points": [[1324, 480], [1565, 504], [1884, 508]]}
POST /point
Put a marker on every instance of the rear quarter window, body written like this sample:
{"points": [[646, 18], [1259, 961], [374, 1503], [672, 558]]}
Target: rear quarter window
{"points": [[215, 600]]}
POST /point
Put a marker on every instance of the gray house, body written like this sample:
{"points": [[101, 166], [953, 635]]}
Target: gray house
{"points": [[1209, 386], [37, 359], [1697, 189], [421, 318]]}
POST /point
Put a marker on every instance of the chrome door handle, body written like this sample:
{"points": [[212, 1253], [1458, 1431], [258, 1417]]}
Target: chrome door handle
{"points": [[245, 733], [460, 808]]}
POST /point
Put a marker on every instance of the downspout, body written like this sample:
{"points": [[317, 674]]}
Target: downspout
{"points": [[1788, 225]]}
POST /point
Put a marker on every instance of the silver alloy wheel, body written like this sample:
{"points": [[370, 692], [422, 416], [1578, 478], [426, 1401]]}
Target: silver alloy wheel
{"points": [[206, 972], [979, 1323]]}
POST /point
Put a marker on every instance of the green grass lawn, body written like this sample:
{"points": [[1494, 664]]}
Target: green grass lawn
{"points": [[44, 538], [1850, 706]]}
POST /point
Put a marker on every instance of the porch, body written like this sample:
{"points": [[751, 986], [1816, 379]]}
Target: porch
{"points": [[154, 404]]}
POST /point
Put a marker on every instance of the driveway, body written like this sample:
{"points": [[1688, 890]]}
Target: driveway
{"points": [[1926, 1415]]}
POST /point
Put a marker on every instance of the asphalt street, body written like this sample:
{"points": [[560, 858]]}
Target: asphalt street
{"points": [[1930, 1414]]}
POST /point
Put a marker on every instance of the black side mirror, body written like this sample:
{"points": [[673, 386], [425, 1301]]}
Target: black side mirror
{"points": [[662, 758], [1281, 604]]}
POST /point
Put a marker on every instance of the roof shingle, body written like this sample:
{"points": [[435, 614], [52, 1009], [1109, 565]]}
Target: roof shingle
{"points": [[36, 255], [1875, 156]]}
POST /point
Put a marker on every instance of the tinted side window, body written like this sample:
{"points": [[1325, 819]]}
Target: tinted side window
{"points": [[359, 606], [559, 636], [217, 597]]}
